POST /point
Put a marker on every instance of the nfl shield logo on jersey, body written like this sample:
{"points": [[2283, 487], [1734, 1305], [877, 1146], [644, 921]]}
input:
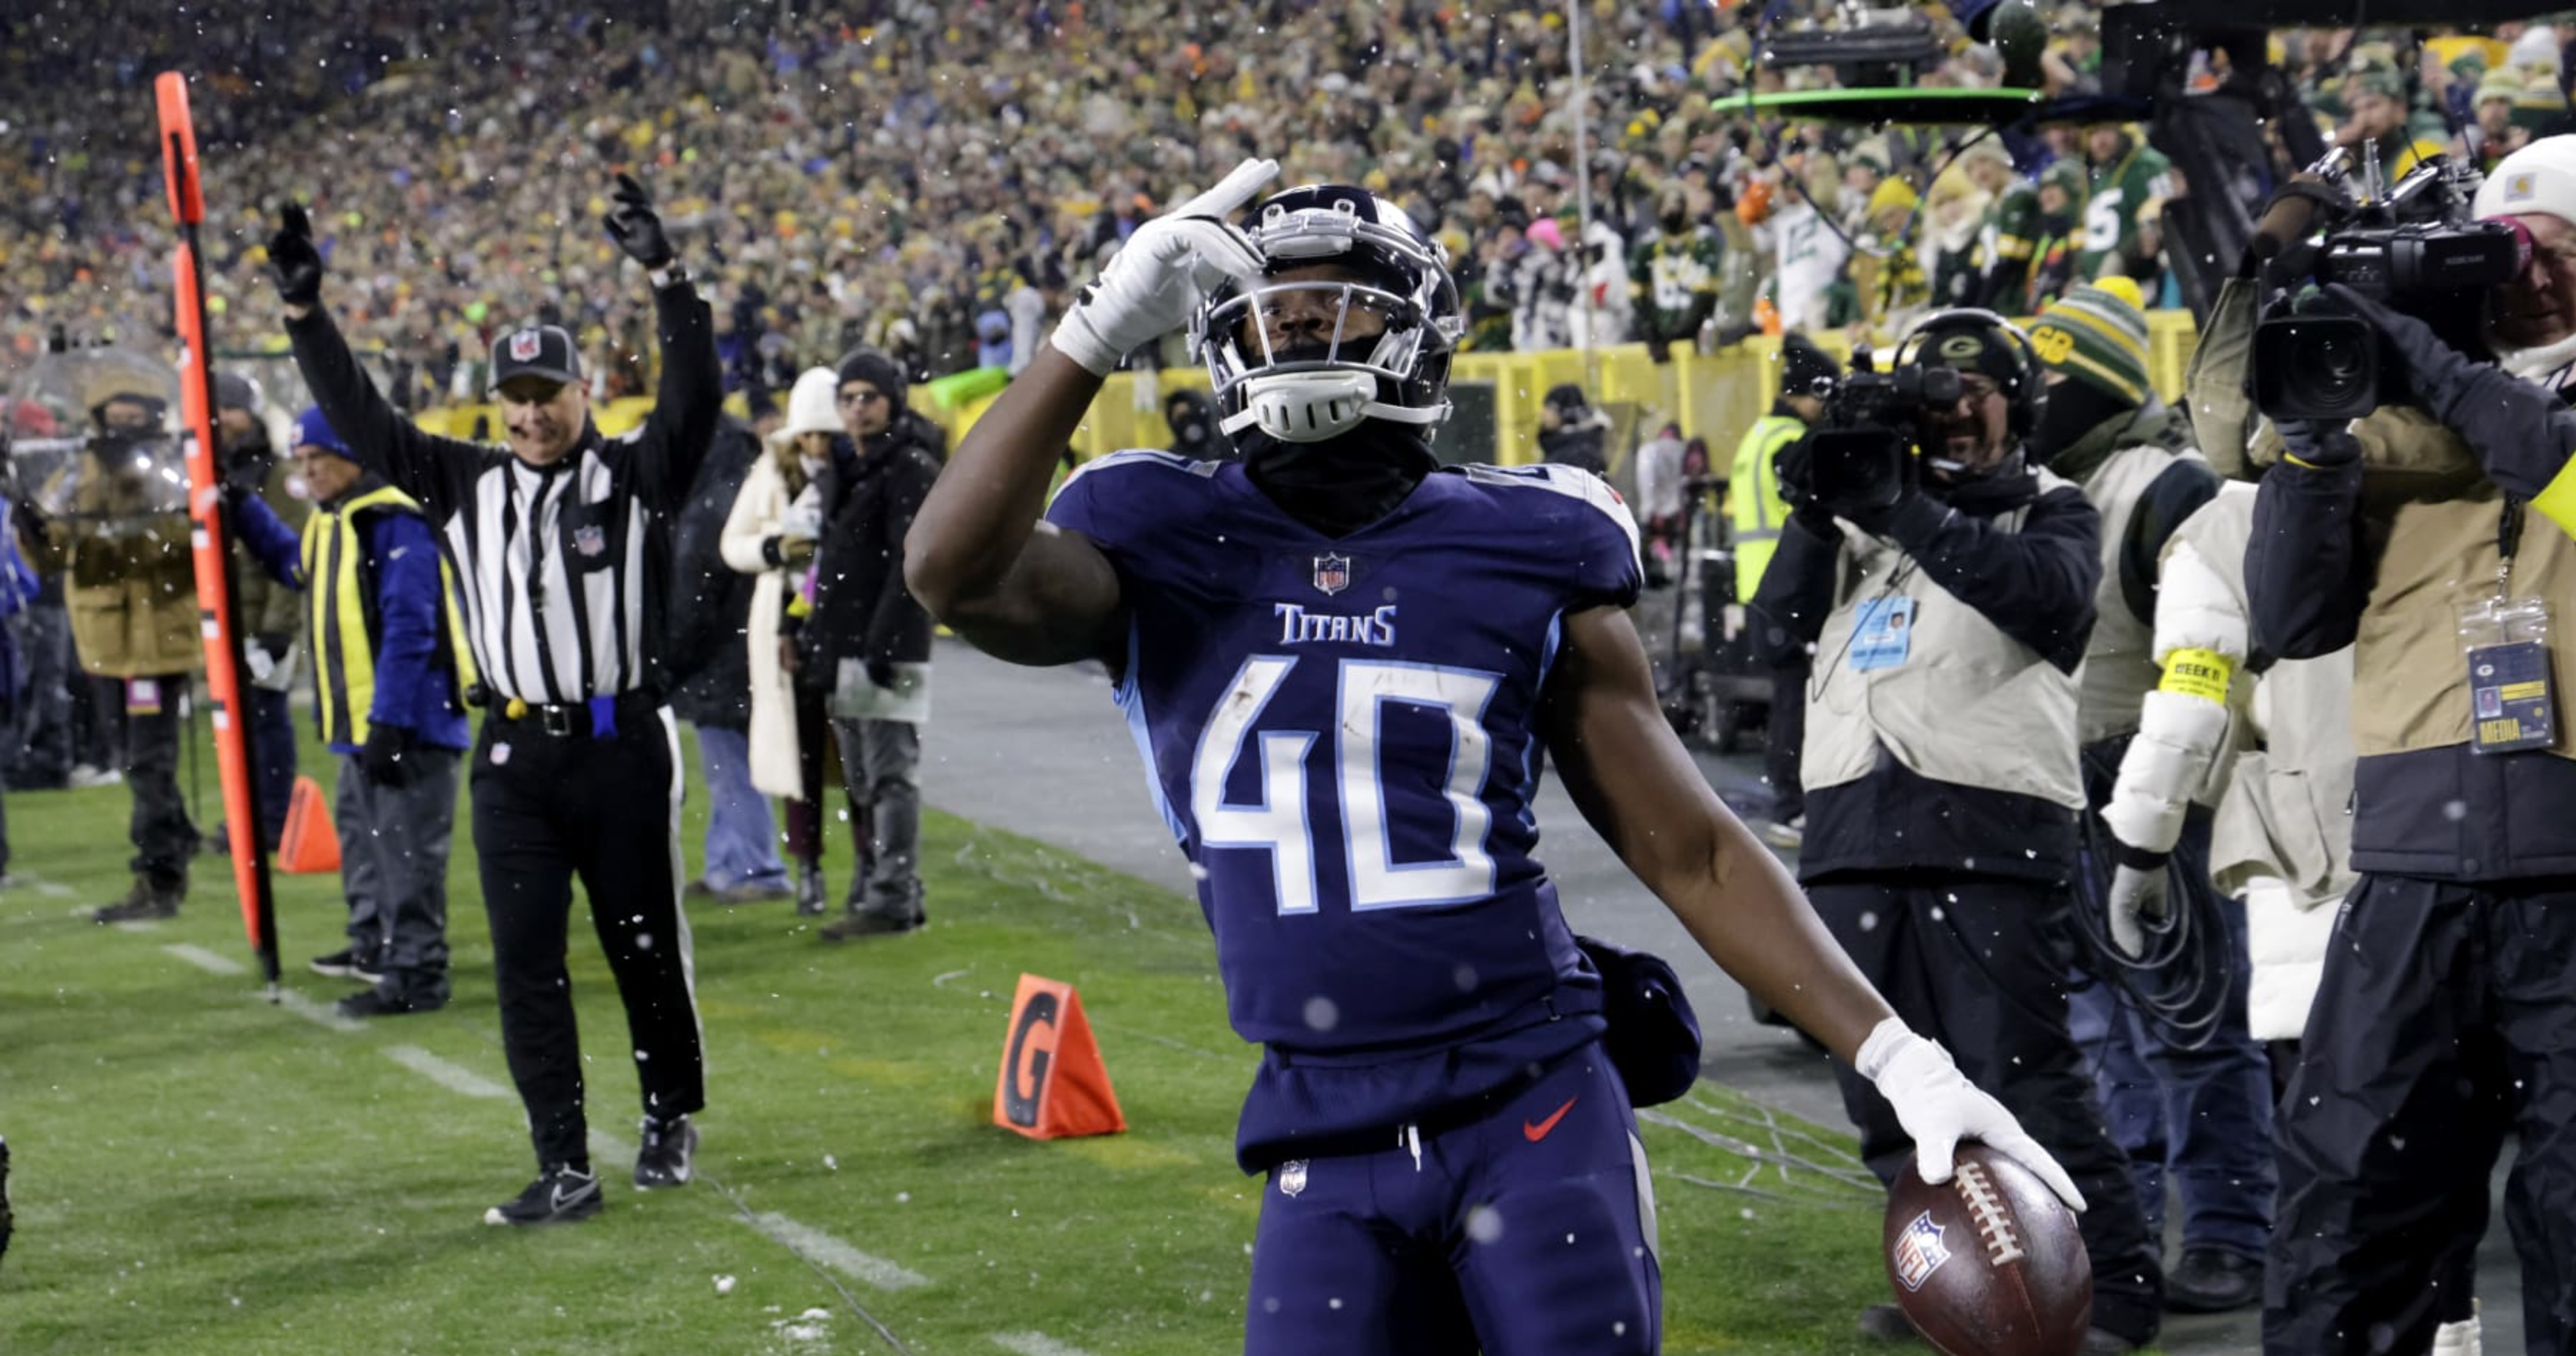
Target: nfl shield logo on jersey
{"points": [[1292, 1177], [1919, 1251], [1332, 573], [524, 345], [590, 541]]}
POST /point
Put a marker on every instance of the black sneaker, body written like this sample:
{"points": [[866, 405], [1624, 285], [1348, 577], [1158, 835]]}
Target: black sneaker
{"points": [[809, 890], [378, 1003], [344, 964], [561, 1194], [8, 1221], [666, 1156], [2213, 1281], [862, 923], [144, 903]]}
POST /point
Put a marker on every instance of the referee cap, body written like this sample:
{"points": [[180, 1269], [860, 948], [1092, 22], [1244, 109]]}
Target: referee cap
{"points": [[543, 351]]}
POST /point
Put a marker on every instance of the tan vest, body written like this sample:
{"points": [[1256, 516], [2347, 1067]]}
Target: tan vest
{"points": [[1970, 705], [2432, 541], [2120, 660]]}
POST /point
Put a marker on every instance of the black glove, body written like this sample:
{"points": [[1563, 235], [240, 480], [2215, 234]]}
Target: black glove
{"points": [[28, 519], [1659, 348], [2323, 445], [2500, 416], [634, 226], [881, 672], [1790, 466], [292, 256], [387, 756]]}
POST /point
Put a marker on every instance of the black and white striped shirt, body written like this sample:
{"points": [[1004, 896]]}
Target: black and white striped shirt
{"points": [[562, 569]]}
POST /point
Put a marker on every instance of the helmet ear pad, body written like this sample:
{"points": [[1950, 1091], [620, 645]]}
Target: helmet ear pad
{"points": [[2025, 386]]}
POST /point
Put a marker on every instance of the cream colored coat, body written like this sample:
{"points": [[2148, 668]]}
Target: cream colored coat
{"points": [[775, 757]]}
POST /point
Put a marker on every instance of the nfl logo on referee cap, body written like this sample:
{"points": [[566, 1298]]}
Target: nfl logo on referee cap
{"points": [[525, 345], [1332, 573]]}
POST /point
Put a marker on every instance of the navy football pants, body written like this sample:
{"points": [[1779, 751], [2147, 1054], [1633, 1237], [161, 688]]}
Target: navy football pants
{"points": [[1528, 1233]]}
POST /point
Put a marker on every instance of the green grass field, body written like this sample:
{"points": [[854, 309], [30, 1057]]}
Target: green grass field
{"points": [[200, 1171]]}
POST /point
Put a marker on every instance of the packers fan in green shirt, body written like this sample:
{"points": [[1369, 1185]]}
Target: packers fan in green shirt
{"points": [[2376, 98], [2125, 180], [1673, 278]]}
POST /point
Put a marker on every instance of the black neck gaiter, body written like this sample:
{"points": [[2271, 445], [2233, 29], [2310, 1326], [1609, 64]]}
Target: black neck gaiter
{"points": [[1343, 484]]}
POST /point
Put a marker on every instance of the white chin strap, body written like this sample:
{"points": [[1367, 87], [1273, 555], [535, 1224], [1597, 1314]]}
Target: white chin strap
{"points": [[1309, 407]]}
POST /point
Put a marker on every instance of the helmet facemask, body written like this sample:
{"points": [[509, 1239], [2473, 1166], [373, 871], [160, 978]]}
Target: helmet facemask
{"points": [[1309, 353]]}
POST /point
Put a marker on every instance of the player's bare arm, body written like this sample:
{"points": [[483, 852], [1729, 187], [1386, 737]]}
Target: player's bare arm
{"points": [[1637, 787], [979, 558], [1640, 792]]}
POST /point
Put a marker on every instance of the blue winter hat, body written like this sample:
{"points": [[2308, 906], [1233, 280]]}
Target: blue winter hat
{"points": [[311, 429]]}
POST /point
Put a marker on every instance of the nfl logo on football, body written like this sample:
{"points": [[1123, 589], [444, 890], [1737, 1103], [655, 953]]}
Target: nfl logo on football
{"points": [[524, 345], [1332, 573], [1292, 1177], [1919, 1252]]}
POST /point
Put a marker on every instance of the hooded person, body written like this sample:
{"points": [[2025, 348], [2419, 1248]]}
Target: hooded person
{"points": [[1191, 416], [1572, 432], [2195, 1111], [267, 614]]}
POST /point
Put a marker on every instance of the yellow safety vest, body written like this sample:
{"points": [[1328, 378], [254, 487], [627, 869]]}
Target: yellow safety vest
{"points": [[344, 619], [1754, 506]]}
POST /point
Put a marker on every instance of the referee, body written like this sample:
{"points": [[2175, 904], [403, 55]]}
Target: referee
{"points": [[560, 544]]}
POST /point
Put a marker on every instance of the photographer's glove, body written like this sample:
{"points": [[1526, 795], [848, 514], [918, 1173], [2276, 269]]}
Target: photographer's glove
{"points": [[2138, 901], [1938, 1107], [2512, 424], [294, 259], [1792, 468], [387, 755], [634, 225], [2320, 445], [1156, 279]]}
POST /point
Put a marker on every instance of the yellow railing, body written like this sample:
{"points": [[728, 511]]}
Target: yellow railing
{"points": [[1714, 395]]}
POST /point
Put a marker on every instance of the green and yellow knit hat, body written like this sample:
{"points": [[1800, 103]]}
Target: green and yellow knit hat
{"points": [[2097, 334]]}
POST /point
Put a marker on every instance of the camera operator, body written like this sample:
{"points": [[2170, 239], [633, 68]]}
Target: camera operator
{"points": [[2193, 1102], [1948, 611], [1755, 513], [2434, 537]]}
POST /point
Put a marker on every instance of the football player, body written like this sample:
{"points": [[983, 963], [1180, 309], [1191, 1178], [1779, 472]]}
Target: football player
{"points": [[1343, 665]]}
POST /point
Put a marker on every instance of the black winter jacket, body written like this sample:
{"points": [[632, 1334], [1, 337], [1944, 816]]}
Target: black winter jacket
{"points": [[861, 608]]}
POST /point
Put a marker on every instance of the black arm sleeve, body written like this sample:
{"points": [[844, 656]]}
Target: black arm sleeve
{"points": [[2307, 577], [2036, 585], [2171, 497], [1797, 590], [439, 472], [686, 403]]}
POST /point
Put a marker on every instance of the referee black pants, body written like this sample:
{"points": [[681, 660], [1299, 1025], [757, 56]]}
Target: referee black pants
{"points": [[548, 808]]}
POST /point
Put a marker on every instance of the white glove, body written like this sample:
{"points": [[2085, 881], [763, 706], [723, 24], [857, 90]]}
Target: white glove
{"points": [[1158, 277], [259, 661], [2137, 900], [1938, 1107]]}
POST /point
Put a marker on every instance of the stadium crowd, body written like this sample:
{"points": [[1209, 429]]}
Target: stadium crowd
{"points": [[933, 184]]}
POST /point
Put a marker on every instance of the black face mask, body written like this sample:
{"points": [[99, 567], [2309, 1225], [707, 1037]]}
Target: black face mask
{"points": [[1342, 484], [1676, 223], [2074, 409]]}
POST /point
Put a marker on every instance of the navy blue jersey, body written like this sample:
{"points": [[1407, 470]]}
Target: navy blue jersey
{"points": [[1341, 734]]}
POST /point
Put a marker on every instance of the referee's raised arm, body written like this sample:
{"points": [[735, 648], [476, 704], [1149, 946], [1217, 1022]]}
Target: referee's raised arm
{"points": [[690, 394], [438, 471]]}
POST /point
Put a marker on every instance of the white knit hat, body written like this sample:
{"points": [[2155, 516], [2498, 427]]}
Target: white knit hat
{"points": [[2538, 180], [810, 404]]}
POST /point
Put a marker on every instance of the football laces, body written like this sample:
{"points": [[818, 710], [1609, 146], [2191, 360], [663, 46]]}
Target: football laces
{"points": [[1994, 1222]]}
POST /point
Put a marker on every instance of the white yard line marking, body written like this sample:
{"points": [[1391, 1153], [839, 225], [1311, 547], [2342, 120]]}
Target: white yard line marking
{"points": [[456, 1078], [138, 925], [208, 961], [52, 889], [1035, 1344], [316, 1012], [821, 1247]]}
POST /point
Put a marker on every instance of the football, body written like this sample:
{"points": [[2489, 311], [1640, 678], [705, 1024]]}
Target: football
{"points": [[1988, 1263]]}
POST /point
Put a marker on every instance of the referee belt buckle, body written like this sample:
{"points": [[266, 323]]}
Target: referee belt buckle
{"points": [[558, 721]]}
